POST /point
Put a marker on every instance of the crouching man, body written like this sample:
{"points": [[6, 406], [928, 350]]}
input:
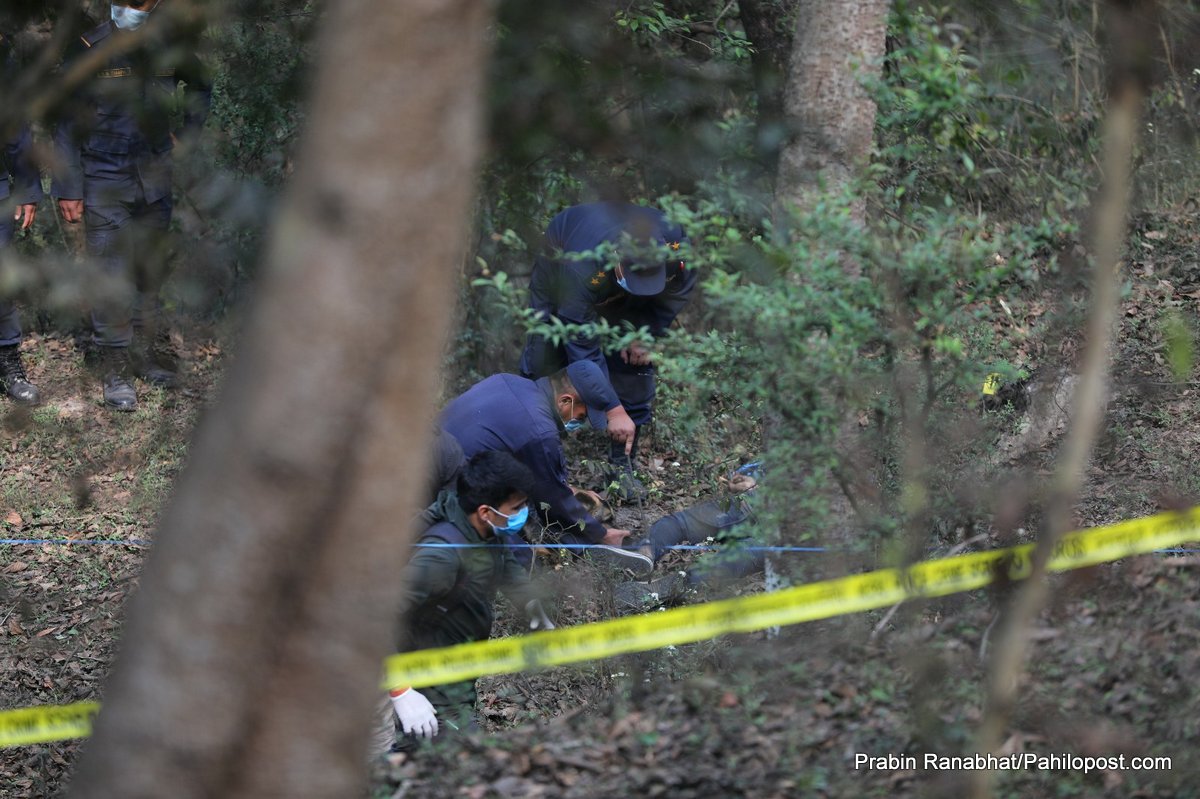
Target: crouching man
{"points": [[450, 589]]}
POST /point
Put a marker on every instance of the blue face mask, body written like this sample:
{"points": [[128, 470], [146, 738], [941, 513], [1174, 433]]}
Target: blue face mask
{"points": [[129, 19], [573, 424], [513, 522]]}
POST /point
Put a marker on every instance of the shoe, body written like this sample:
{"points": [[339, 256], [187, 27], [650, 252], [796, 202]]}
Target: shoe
{"points": [[159, 376], [156, 363], [12, 377], [623, 483], [665, 591], [119, 393], [635, 563], [620, 471]]}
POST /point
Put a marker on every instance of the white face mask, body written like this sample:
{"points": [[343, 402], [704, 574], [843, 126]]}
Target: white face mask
{"points": [[129, 19]]}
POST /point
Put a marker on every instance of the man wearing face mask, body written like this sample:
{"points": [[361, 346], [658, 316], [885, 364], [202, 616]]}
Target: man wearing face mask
{"points": [[113, 142], [641, 283], [450, 588], [526, 418]]}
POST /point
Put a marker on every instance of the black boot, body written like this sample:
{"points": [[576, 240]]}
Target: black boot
{"points": [[628, 487], [636, 597], [117, 377], [13, 379], [155, 361]]}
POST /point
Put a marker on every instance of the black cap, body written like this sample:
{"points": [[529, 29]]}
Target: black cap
{"points": [[595, 391], [643, 280]]}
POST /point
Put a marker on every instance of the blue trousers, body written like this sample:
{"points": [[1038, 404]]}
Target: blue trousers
{"points": [[710, 519], [129, 243], [635, 385], [10, 322]]}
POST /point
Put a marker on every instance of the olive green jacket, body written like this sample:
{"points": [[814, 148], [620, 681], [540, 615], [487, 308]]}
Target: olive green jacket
{"points": [[450, 592]]}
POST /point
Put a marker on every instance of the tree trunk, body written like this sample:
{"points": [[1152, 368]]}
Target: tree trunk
{"points": [[830, 117], [251, 659], [831, 121]]}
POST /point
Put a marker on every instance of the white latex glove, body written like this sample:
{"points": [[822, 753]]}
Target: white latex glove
{"points": [[538, 620], [417, 716]]}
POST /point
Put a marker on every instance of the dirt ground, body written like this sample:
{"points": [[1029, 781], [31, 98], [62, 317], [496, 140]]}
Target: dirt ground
{"points": [[1111, 672]]}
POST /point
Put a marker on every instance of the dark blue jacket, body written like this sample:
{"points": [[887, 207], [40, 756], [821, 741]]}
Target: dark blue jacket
{"points": [[507, 413], [15, 163], [582, 291], [114, 134]]}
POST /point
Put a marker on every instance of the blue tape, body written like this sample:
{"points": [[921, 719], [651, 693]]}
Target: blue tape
{"points": [[137, 542], [698, 547], [140, 542]]}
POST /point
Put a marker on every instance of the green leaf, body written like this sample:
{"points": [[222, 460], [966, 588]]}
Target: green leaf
{"points": [[1181, 345]]}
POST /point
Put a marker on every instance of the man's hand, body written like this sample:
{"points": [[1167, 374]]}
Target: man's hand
{"points": [[29, 211], [614, 537], [739, 483], [621, 428], [636, 354], [417, 715], [72, 210]]}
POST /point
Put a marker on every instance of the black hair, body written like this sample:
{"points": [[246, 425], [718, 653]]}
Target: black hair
{"points": [[492, 478], [560, 383]]}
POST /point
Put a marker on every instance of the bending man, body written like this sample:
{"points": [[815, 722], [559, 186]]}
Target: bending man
{"points": [[526, 418], [642, 288]]}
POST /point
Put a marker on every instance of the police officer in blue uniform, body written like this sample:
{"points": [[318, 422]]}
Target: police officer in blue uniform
{"points": [[113, 143], [641, 288], [20, 192], [525, 418]]}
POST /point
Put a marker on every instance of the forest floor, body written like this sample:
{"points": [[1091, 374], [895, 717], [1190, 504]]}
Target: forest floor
{"points": [[1112, 667]]}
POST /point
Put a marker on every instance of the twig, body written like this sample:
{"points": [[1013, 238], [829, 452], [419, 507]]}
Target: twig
{"points": [[983, 645], [724, 11], [579, 763], [883, 622], [957, 548], [1111, 223]]}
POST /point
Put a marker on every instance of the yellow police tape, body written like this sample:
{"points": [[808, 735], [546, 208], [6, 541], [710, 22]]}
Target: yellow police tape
{"points": [[821, 600], [810, 602], [35, 725]]}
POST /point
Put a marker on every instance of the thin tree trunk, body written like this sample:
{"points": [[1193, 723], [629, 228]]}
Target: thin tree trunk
{"points": [[831, 122], [251, 658], [1133, 26], [830, 116]]}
